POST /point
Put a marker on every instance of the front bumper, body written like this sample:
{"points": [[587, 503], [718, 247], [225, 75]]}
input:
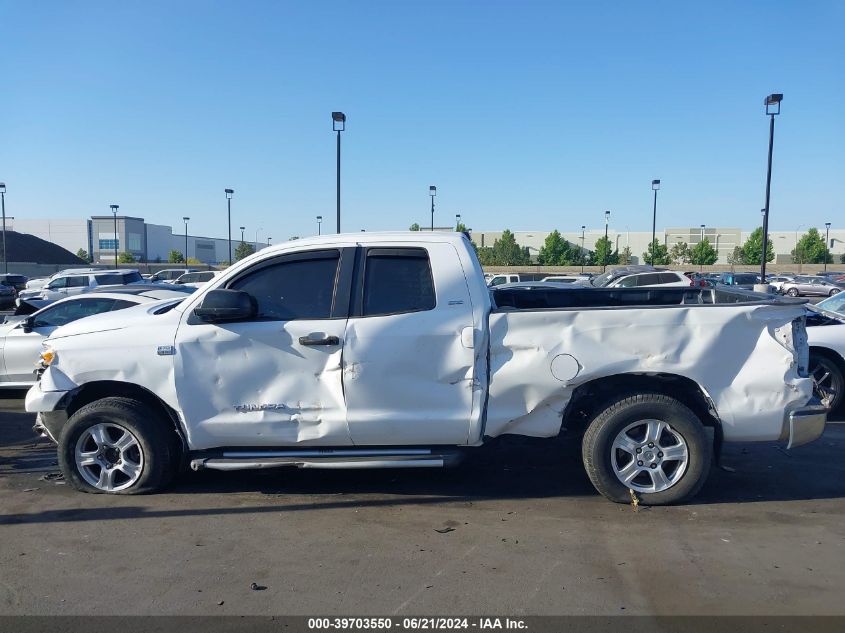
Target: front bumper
{"points": [[806, 424]]}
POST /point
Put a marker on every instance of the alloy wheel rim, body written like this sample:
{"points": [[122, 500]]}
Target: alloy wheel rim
{"points": [[649, 456], [827, 380], [109, 457]]}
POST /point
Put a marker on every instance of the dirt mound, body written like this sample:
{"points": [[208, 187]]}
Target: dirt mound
{"points": [[28, 248]]}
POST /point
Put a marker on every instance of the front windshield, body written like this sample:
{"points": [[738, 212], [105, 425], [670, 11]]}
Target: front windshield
{"points": [[602, 280], [836, 304]]}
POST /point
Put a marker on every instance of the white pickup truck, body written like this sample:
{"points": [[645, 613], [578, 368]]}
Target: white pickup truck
{"points": [[388, 350]]}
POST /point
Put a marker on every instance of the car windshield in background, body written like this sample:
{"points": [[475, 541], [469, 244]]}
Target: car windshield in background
{"points": [[745, 279], [836, 304]]}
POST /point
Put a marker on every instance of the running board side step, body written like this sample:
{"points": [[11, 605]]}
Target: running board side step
{"points": [[327, 459]]}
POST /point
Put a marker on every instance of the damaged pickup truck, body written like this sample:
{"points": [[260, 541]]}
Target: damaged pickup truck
{"points": [[389, 351]]}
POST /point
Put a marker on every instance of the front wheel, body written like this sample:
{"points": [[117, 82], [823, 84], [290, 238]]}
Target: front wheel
{"points": [[792, 292], [649, 444], [118, 446], [834, 291]]}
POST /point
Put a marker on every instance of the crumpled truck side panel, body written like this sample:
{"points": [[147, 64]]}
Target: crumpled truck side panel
{"points": [[740, 355]]}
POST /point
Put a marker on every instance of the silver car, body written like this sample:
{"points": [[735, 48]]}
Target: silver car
{"points": [[806, 286]]}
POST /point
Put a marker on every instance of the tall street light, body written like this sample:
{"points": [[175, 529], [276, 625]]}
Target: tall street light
{"points": [[582, 247], [3, 203], [114, 208], [185, 219], [606, 241], [701, 262], [798, 254], [242, 233], [338, 125], [260, 228], [432, 191], [229, 193], [772, 103], [457, 221], [655, 186], [319, 224], [826, 244], [269, 240]]}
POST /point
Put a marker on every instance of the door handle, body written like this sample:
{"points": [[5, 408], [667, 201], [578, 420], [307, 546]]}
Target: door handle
{"points": [[328, 340]]}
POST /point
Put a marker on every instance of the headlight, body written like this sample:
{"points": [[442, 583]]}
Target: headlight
{"points": [[48, 357]]}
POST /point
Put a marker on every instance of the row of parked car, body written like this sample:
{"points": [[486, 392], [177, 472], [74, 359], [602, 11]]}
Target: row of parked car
{"points": [[821, 285], [43, 305]]}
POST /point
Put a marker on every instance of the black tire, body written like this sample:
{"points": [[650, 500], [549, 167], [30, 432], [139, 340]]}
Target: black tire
{"points": [[792, 292], [155, 442], [834, 291], [820, 365], [597, 452]]}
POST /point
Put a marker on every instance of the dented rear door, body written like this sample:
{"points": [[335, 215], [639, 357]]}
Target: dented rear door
{"points": [[408, 354], [274, 380]]}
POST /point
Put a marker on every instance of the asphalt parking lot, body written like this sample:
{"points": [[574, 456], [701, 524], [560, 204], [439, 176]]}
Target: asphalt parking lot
{"points": [[516, 530]]}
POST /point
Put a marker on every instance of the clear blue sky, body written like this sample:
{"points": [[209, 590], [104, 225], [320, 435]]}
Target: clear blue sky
{"points": [[525, 115]]}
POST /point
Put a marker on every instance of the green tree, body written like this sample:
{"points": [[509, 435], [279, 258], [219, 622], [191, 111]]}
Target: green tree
{"points": [[125, 258], [703, 254], [414, 227], [83, 255], [735, 257], [626, 256], [506, 252], [556, 251], [175, 257], [661, 254], [485, 256], [242, 250], [680, 253], [604, 253], [752, 250], [461, 228], [193, 261], [811, 249]]}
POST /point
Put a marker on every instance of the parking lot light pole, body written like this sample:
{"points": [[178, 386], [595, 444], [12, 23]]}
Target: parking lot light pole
{"points": [[432, 191], [606, 241], [457, 221], [185, 219], [319, 224], [243, 228], [582, 247], [229, 193], [338, 125], [701, 263], [826, 244], [114, 208], [772, 103], [655, 186], [3, 203]]}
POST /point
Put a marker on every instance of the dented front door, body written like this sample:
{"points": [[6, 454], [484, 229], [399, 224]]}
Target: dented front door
{"points": [[274, 380]]}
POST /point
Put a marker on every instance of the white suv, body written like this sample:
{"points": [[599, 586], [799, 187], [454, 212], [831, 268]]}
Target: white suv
{"points": [[668, 278], [65, 283]]}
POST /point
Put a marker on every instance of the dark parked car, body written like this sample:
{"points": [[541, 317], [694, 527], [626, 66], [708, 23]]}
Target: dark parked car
{"points": [[18, 282], [7, 297], [739, 280]]}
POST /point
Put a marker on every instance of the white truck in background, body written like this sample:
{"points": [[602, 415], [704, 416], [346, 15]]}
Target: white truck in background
{"points": [[388, 350]]}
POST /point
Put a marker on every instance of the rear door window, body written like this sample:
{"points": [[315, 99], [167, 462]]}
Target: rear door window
{"points": [[669, 278], [649, 279], [397, 280]]}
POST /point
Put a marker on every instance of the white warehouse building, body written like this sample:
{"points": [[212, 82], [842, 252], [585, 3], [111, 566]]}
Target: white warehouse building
{"points": [[146, 242]]}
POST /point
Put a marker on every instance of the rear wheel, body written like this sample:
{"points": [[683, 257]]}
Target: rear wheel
{"points": [[650, 445], [834, 291], [118, 446], [828, 380], [792, 292]]}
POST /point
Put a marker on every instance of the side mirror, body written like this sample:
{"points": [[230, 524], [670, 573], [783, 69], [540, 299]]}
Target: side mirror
{"points": [[219, 306], [26, 325]]}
